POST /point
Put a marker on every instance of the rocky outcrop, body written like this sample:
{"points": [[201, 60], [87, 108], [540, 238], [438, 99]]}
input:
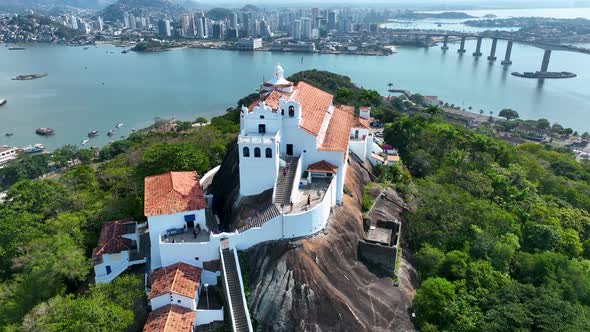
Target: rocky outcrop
{"points": [[317, 284], [232, 209]]}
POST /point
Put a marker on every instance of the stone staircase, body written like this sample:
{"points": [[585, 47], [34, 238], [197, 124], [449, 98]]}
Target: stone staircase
{"points": [[239, 311], [284, 186], [265, 215]]}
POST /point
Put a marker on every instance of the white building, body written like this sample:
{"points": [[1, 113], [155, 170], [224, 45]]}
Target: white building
{"points": [[118, 248], [7, 154], [294, 121], [175, 205], [249, 44], [178, 284]]}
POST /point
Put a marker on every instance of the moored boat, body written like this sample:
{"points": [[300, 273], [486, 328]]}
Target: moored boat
{"points": [[44, 131], [2, 102], [93, 133], [111, 132], [8, 134], [34, 148], [119, 125], [85, 141]]}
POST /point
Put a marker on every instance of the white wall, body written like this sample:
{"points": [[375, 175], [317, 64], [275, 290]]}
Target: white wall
{"points": [[257, 174], [204, 317], [159, 224], [187, 252], [118, 262], [163, 300]]}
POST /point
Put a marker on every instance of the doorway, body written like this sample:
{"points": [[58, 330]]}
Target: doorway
{"points": [[289, 149]]}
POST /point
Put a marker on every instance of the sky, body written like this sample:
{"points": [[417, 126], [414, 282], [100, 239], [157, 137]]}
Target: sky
{"points": [[410, 3]]}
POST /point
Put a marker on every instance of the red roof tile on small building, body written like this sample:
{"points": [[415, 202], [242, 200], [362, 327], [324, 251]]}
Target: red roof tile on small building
{"points": [[179, 278], [338, 134], [314, 106], [359, 122], [111, 241], [173, 192], [322, 166], [170, 318]]}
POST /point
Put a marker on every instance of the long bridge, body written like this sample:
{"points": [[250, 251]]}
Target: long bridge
{"points": [[462, 37]]}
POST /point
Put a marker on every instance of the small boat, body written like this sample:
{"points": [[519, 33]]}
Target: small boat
{"points": [[93, 133], [85, 141], [119, 125], [85, 48], [124, 51], [16, 48], [8, 134], [44, 131], [34, 149], [111, 133], [2, 102]]}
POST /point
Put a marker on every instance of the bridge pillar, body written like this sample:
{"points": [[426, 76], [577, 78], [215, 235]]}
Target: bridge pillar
{"points": [[478, 47], [507, 60], [545, 63], [492, 56], [462, 48], [445, 43]]}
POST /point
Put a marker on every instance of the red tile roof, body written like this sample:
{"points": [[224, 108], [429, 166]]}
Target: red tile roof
{"points": [[271, 100], [111, 241], [170, 318], [172, 193], [322, 166], [359, 122], [314, 106], [338, 134], [179, 278]]}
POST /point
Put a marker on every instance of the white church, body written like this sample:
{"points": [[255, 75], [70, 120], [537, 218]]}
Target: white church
{"points": [[294, 141]]}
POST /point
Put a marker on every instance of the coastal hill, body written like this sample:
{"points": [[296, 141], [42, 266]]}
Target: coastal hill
{"points": [[163, 8]]}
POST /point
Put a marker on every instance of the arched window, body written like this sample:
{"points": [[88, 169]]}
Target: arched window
{"points": [[291, 111], [282, 111], [246, 151], [256, 152], [268, 153]]}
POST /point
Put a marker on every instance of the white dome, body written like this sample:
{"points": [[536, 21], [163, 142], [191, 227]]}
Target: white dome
{"points": [[279, 76]]}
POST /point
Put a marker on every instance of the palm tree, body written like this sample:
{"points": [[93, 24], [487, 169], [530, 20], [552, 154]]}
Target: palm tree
{"points": [[389, 85], [481, 111]]}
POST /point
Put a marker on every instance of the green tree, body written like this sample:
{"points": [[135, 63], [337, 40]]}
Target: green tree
{"points": [[165, 157], [429, 261], [434, 302], [509, 114]]}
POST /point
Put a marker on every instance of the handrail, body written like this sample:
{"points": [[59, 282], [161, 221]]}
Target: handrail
{"points": [[226, 286], [244, 303]]}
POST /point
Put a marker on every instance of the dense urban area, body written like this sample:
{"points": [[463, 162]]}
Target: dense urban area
{"points": [[161, 25]]}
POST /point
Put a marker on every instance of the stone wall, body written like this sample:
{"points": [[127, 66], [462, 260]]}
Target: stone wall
{"points": [[380, 259]]}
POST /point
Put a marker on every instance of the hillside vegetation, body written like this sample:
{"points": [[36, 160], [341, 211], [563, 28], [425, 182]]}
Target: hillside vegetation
{"points": [[501, 233]]}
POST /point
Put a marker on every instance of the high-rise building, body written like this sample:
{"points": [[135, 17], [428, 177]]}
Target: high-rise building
{"points": [[331, 20], [234, 21], [296, 30], [188, 25], [164, 29], [218, 30], [315, 14], [132, 22], [306, 28], [73, 22], [125, 20], [100, 24]]}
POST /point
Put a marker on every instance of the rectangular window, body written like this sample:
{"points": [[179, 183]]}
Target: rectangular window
{"points": [[261, 128], [189, 217], [109, 269]]}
